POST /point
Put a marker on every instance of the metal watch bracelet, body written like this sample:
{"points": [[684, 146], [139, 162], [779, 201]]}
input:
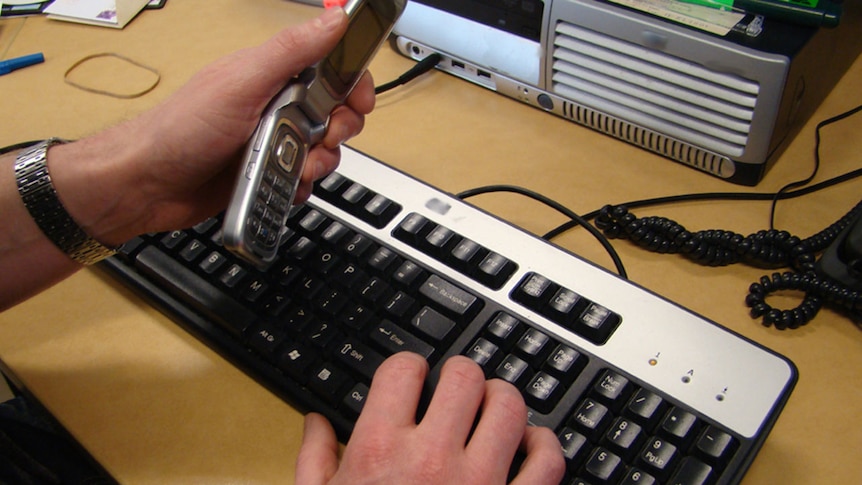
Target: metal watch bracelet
{"points": [[40, 198]]}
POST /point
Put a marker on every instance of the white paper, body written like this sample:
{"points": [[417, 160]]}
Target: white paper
{"points": [[110, 13]]}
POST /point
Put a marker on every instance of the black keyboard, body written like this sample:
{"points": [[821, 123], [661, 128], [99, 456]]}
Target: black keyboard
{"points": [[638, 389]]}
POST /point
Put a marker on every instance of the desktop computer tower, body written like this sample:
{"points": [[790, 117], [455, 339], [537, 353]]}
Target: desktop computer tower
{"points": [[726, 104]]}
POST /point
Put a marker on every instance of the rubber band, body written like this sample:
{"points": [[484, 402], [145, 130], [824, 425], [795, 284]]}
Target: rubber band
{"points": [[109, 93]]}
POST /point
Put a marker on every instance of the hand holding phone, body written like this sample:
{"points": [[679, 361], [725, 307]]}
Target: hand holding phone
{"points": [[294, 121]]}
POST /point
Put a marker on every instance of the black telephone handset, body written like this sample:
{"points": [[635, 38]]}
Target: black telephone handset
{"points": [[842, 260]]}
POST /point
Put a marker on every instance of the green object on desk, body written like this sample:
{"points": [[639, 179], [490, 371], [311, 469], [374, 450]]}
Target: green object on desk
{"points": [[816, 13]]}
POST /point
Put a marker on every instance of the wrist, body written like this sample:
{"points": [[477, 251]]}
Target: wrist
{"points": [[36, 188], [93, 182]]}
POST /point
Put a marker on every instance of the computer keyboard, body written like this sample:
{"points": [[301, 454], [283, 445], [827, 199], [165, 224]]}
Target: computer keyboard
{"points": [[638, 389]]}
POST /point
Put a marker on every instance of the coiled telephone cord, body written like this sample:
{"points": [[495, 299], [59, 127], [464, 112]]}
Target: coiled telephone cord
{"points": [[769, 249]]}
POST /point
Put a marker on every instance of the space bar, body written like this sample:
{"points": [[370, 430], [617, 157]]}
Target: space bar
{"points": [[193, 290]]}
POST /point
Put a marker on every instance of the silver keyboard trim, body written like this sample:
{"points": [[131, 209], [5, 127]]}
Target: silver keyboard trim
{"points": [[727, 378]]}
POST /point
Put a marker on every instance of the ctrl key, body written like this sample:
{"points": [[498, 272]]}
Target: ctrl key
{"points": [[354, 400]]}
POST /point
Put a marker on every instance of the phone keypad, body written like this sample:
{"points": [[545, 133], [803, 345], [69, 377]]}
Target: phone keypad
{"points": [[270, 209]]}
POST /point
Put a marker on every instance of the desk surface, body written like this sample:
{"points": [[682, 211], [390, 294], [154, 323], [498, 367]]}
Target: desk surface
{"points": [[156, 406]]}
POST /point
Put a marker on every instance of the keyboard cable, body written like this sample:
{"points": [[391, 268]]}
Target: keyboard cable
{"points": [[572, 215]]}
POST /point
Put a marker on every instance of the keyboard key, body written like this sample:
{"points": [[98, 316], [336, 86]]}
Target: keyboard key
{"points": [[715, 446], [597, 323], [331, 302], [636, 476], [358, 245], [400, 306], [356, 317], [295, 320], [374, 291], [330, 184], [412, 228], [659, 457], [575, 448], [334, 233], [624, 437], [693, 472], [321, 334], [494, 270], [254, 290], [433, 324], [349, 276], [379, 211], [464, 254], [646, 407], [504, 328], [201, 295], [212, 263], [514, 371], [173, 239], [393, 339], [450, 297], [234, 274], [408, 274], [533, 291], [358, 357], [266, 338], [591, 418], [383, 259], [354, 400], [603, 467], [612, 388], [296, 361], [437, 241], [679, 426], [565, 363], [563, 305], [543, 392], [534, 346], [192, 251], [486, 354], [354, 195], [329, 382]]}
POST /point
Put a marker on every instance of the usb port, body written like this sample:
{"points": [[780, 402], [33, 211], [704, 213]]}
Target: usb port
{"points": [[484, 74], [459, 65]]}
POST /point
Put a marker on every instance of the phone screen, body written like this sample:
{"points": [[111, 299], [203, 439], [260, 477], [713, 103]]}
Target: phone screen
{"points": [[346, 62]]}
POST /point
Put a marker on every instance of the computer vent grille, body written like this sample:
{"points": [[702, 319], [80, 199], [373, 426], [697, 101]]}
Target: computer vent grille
{"points": [[648, 88], [707, 161]]}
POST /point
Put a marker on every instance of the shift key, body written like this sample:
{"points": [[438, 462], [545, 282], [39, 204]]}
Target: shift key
{"points": [[393, 339]]}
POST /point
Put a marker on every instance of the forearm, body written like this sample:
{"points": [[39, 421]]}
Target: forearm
{"points": [[29, 261], [82, 177], [174, 165]]}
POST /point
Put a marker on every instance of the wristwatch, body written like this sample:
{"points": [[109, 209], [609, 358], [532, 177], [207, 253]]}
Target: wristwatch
{"points": [[40, 198]]}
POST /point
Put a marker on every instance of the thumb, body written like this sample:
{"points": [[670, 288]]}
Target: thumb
{"points": [[292, 50], [318, 456]]}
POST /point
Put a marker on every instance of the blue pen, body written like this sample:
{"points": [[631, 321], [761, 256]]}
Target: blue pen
{"points": [[10, 65]]}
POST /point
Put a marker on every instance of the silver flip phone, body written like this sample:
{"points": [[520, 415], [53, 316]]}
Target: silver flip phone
{"points": [[292, 123]]}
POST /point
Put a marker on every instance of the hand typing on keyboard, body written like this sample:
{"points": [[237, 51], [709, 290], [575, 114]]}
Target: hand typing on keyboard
{"points": [[174, 165], [171, 166], [447, 446]]}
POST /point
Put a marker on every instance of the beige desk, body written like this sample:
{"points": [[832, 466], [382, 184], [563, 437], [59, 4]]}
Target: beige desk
{"points": [[156, 406]]}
